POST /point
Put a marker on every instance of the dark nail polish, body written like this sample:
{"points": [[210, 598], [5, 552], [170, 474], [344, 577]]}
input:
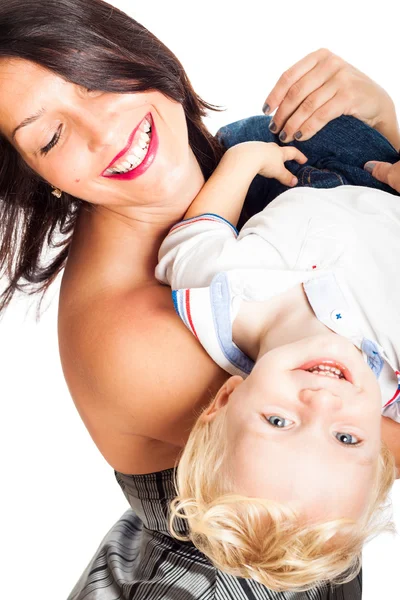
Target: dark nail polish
{"points": [[298, 135], [369, 166], [283, 136], [273, 127], [266, 108]]}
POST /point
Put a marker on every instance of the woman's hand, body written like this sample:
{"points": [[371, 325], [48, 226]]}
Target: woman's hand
{"points": [[385, 172], [322, 87]]}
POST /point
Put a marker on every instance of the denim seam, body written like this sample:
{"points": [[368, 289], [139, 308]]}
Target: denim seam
{"points": [[308, 171], [333, 173]]}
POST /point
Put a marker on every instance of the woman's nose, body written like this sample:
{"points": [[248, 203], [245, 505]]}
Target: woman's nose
{"points": [[101, 131], [321, 399], [102, 135]]}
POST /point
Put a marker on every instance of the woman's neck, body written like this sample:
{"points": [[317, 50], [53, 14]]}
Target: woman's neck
{"points": [[119, 245]]}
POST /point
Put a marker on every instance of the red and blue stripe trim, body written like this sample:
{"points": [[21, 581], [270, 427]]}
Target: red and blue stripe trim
{"points": [[205, 217], [181, 300], [396, 395]]}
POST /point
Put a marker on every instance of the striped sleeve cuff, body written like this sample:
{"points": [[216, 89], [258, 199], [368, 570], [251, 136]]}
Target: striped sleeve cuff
{"points": [[206, 217], [182, 304]]}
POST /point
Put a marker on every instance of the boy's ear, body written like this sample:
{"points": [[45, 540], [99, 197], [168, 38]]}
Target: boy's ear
{"points": [[222, 397]]}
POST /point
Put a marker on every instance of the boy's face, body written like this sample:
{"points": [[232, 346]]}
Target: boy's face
{"points": [[304, 439]]}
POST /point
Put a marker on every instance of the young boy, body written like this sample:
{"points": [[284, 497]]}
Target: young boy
{"points": [[300, 308]]}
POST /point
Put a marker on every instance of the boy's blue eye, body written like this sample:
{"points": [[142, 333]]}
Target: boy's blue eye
{"points": [[278, 421], [345, 438]]}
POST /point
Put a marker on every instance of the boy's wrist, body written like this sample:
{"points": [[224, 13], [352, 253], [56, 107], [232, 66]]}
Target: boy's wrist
{"points": [[246, 157]]}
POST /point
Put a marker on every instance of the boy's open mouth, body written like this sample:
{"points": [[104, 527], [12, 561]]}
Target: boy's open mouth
{"points": [[328, 368], [327, 371]]}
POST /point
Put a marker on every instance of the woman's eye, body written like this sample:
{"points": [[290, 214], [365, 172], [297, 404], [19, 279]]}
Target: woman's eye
{"points": [[53, 142], [346, 439], [278, 421], [92, 92]]}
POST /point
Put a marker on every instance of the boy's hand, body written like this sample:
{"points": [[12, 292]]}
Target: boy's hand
{"points": [[267, 159], [225, 191], [273, 164], [385, 172]]}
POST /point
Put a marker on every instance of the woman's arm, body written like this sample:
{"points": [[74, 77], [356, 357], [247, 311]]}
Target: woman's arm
{"points": [[321, 87], [390, 431], [138, 377]]}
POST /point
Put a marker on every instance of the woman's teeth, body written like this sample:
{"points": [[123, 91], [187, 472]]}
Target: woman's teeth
{"points": [[327, 371], [137, 153]]}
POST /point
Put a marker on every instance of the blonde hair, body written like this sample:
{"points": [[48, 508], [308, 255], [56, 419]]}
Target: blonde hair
{"points": [[264, 540]]}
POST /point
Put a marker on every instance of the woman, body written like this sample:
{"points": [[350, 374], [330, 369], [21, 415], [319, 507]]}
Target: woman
{"points": [[68, 133]]}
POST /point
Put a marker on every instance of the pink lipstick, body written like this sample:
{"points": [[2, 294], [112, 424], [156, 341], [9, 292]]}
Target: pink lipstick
{"points": [[145, 162]]}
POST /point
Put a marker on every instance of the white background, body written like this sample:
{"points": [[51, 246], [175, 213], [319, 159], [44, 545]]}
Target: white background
{"points": [[59, 497]]}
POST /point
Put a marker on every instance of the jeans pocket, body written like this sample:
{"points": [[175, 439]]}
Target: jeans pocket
{"points": [[319, 178]]}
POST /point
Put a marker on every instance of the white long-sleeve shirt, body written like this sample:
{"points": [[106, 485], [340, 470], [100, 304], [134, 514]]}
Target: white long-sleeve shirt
{"points": [[342, 244]]}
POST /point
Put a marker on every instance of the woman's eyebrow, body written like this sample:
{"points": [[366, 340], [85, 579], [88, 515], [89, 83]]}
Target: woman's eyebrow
{"points": [[28, 121]]}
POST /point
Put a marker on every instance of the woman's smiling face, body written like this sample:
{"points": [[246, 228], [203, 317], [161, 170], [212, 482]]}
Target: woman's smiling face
{"points": [[72, 137]]}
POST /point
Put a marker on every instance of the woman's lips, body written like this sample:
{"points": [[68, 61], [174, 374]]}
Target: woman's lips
{"points": [[124, 150], [329, 363], [147, 161]]}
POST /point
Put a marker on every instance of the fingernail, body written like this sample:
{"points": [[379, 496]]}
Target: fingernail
{"points": [[283, 136], [294, 181], [273, 127], [298, 135], [266, 108], [369, 166]]}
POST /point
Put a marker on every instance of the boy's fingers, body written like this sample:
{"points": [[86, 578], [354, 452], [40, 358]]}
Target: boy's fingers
{"points": [[291, 153], [287, 178]]}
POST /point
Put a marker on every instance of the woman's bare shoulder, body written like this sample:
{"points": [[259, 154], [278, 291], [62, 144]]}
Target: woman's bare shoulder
{"points": [[134, 371]]}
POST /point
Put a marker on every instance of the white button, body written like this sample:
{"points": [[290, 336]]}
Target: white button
{"points": [[338, 315]]}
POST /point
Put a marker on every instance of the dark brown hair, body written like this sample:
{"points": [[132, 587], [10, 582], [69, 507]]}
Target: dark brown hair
{"points": [[94, 45]]}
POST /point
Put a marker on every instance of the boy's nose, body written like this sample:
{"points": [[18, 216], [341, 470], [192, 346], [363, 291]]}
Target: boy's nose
{"points": [[321, 399]]}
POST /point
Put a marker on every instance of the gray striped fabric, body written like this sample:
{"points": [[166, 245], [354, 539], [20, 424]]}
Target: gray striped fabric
{"points": [[139, 559]]}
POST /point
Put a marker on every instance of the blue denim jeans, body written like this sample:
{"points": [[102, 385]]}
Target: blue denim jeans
{"points": [[336, 156]]}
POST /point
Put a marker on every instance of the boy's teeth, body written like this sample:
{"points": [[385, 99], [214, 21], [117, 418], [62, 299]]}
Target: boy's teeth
{"points": [[327, 371]]}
